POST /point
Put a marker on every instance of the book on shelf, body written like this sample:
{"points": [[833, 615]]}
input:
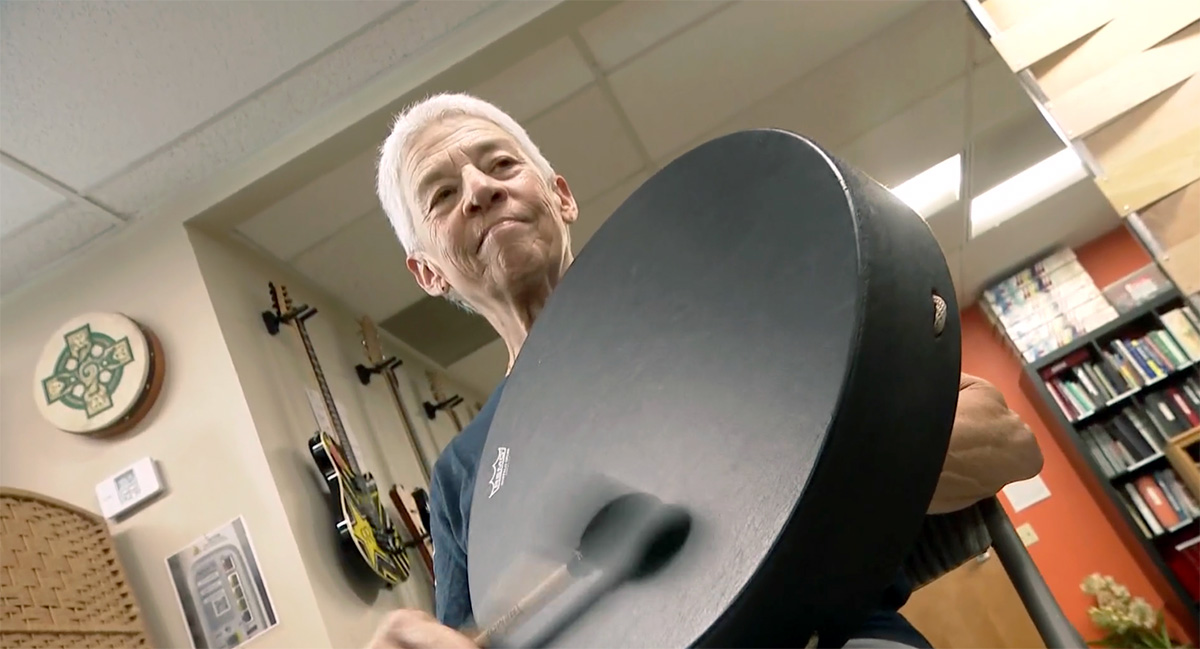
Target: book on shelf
{"points": [[1142, 428], [1184, 561], [1047, 305], [1140, 431], [1159, 503], [1084, 382]]}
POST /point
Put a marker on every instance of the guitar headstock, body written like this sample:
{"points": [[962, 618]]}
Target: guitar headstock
{"points": [[374, 353], [287, 299], [440, 401], [370, 340], [282, 309], [276, 299], [435, 385]]}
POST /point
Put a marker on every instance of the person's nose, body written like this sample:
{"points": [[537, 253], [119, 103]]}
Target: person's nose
{"points": [[483, 191]]}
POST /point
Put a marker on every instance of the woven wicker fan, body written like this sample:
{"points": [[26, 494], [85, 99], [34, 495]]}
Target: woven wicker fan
{"points": [[61, 582]]}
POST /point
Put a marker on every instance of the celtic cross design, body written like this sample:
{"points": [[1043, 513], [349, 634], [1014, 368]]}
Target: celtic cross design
{"points": [[88, 371]]}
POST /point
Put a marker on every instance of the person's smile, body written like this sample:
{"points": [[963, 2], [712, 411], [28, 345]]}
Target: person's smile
{"points": [[496, 226]]}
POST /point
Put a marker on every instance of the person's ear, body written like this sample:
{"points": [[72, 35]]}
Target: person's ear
{"points": [[568, 208], [428, 276]]}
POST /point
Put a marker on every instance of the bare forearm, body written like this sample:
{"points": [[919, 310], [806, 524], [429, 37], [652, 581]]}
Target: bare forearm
{"points": [[989, 447]]}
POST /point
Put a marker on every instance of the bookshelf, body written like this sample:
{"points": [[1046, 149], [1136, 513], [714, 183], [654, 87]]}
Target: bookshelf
{"points": [[1115, 374], [1117, 397], [1184, 453]]}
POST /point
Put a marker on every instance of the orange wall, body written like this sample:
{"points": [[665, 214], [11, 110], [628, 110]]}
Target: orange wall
{"points": [[1075, 538]]}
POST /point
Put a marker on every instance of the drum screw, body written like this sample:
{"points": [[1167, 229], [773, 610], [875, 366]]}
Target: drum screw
{"points": [[939, 315]]}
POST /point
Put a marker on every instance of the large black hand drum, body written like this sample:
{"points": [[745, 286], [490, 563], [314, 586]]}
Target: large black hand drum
{"points": [[763, 338]]}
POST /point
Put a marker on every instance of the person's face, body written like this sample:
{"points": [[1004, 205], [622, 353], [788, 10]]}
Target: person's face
{"points": [[486, 220]]}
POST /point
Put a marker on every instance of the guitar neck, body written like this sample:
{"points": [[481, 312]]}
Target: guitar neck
{"points": [[335, 420], [394, 387]]}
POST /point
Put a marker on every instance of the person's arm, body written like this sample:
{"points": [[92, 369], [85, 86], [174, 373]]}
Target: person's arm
{"points": [[989, 447]]}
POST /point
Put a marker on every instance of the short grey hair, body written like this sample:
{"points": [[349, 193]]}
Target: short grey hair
{"points": [[392, 186]]}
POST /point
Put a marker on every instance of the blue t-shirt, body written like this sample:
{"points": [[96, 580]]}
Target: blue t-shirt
{"points": [[450, 494]]}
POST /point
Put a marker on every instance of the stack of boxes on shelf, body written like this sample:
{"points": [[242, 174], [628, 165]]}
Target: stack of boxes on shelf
{"points": [[1119, 384], [1047, 305]]}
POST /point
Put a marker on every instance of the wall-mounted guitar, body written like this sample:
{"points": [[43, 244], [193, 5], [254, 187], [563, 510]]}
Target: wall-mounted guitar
{"points": [[364, 528], [441, 401], [409, 504]]}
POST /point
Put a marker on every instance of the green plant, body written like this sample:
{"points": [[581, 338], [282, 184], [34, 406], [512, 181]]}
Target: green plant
{"points": [[1129, 622]]}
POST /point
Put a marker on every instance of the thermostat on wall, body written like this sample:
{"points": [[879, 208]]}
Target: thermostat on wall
{"points": [[125, 491]]}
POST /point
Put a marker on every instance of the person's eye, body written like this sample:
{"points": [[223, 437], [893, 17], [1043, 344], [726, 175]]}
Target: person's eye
{"points": [[440, 195], [503, 163]]}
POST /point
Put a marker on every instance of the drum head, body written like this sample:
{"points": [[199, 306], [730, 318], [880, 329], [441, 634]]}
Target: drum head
{"points": [[751, 336]]}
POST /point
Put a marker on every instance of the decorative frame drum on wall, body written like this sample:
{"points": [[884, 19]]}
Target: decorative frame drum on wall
{"points": [[99, 374]]}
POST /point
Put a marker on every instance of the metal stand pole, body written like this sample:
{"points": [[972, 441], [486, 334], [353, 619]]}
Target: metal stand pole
{"points": [[1048, 617]]}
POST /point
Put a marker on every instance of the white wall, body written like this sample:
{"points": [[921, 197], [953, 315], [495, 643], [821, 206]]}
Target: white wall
{"points": [[229, 429], [274, 374], [201, 430]]}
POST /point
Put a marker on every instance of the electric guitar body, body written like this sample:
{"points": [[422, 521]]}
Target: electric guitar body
{"points": [[414, 514], [357, 500], [365, 531]]}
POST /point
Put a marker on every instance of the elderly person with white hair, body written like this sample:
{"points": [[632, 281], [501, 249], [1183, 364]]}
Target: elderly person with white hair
{"points": [[485, 221]]}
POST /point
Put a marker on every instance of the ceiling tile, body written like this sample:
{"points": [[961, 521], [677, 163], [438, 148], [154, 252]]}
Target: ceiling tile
{"points": [[912, 141], [537, 82], [700, 78], [47, 240], [997, 95], [584, 140], [440, 330], [630, 28], [932, 129], [594, 213], [1010, 147], [260, 121], [89, 88], [363, 264], [981, 46], [23, 199], [870, 83], [482, 370], [317, 210], [898, 122]]}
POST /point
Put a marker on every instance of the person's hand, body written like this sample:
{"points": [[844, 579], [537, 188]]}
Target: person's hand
{"points": [[416, 629], [990, 446]]}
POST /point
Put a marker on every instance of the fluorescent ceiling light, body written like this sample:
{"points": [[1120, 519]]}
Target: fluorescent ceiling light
{"points": [[1026, 189], [939, 187], [933, 189]]}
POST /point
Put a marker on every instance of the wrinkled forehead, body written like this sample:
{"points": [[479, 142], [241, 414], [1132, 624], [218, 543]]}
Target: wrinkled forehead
{"points": [[446, 144]]}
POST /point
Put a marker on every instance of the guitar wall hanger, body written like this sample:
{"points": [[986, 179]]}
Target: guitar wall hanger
{"points": [[431, 409], [272, 320], [408, 545], [387, 364]]}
